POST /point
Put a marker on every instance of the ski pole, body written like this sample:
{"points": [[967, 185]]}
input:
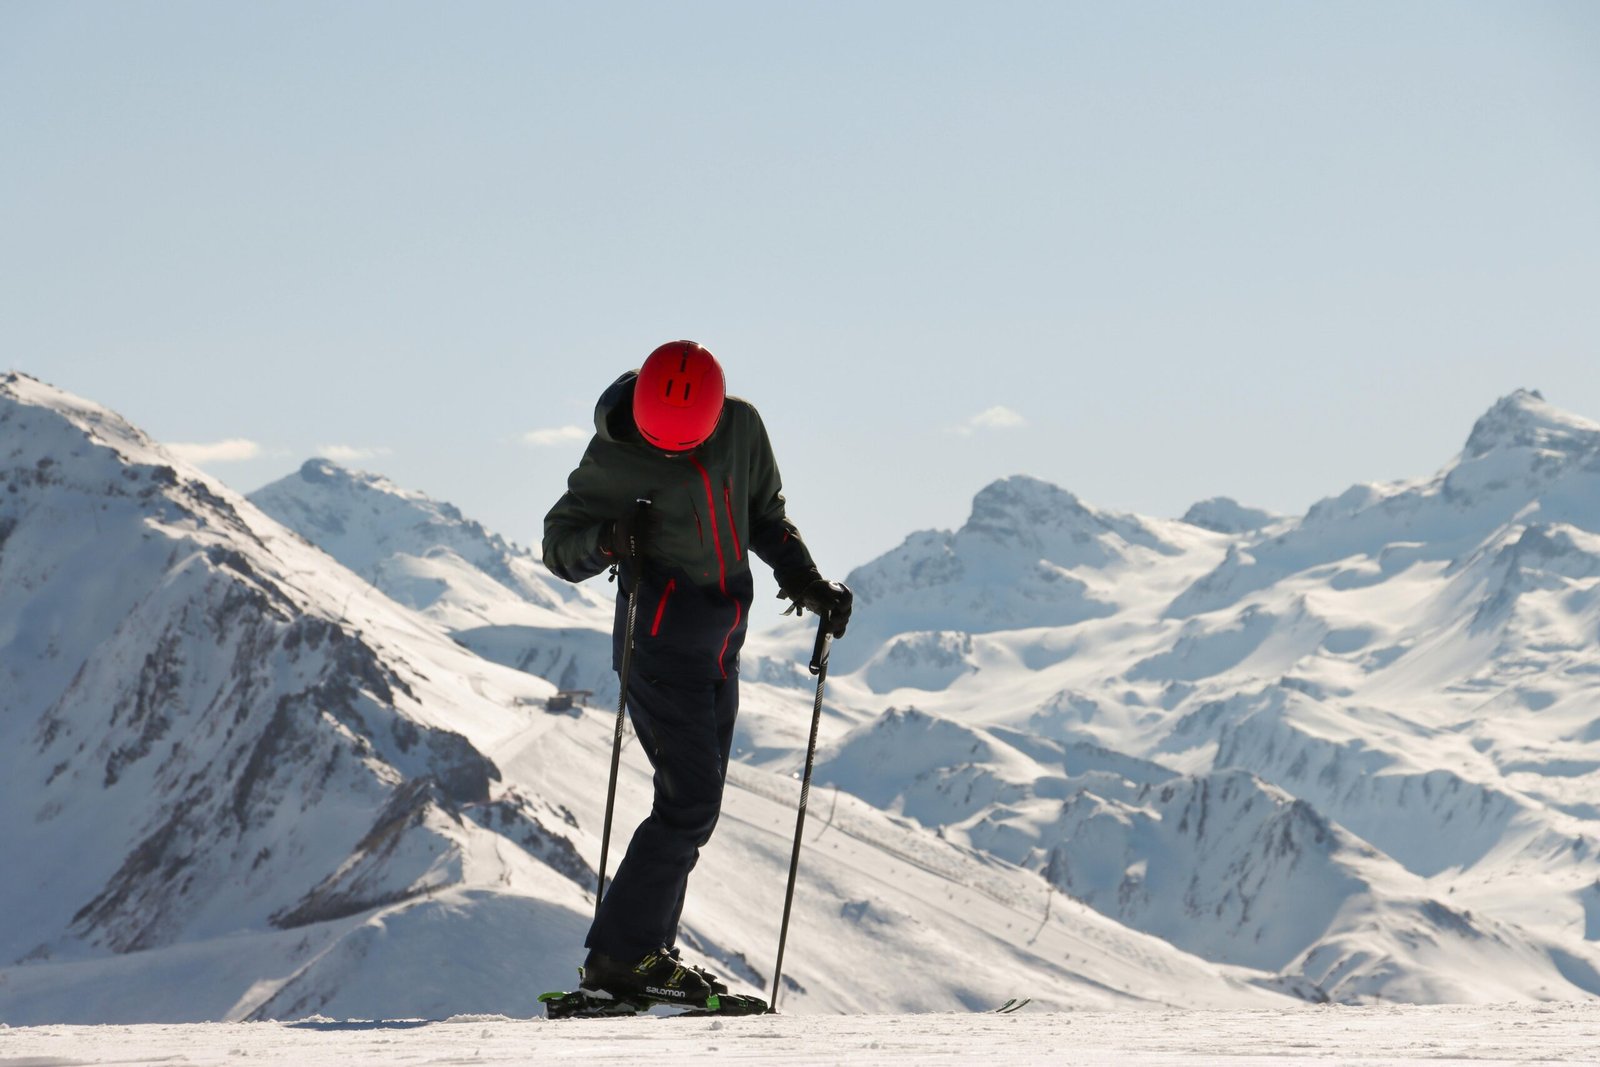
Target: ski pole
{"points": [[622, 704], [819, 667]]}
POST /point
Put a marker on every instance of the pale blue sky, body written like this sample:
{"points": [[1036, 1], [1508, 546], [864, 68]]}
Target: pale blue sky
{"points": [[1264, 250]]}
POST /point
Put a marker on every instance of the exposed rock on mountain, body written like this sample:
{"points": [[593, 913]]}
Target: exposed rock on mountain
{"points": [[196, 737]]}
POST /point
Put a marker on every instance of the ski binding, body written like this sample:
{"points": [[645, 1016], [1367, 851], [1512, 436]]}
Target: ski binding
{"points": [[582, 1004]]}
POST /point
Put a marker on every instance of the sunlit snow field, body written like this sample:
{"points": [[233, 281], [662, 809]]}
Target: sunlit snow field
{"points": [[1556, 1033]]}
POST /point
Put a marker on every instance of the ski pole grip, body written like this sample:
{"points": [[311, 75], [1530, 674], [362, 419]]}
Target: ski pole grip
{"points": [[819, 653], [641, 511]]}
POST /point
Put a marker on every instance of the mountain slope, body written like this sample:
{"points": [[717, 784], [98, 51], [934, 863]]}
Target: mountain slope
{"points": [[1220, 864], [1413, 666], [237, 781], [196, 738], [493, 596], [1399, 685]]}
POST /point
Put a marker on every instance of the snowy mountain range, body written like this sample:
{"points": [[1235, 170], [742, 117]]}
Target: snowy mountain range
{"points": [[208, 732], [1371, 735], [1098, 757], [238, 781]]}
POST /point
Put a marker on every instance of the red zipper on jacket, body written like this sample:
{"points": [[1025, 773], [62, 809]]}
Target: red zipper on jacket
{"points": [[661, 606], [733, 527], [722, 566]]}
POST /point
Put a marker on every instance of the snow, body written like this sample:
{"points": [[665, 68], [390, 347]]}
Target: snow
{"points": [[1414, 665], [265, 762], [249, 785], [491, 595], [1376, 1036], [214, 737]]}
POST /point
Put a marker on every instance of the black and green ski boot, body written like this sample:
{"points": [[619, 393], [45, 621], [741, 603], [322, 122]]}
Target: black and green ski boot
{"points": [[658, 980], [659, 976]]}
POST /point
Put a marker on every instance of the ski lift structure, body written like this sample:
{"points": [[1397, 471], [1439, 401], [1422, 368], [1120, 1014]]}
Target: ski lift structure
{"points": [[566, 701]]}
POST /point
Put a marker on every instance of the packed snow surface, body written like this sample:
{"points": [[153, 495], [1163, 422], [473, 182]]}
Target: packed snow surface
{"points": [[1499, 1034]]}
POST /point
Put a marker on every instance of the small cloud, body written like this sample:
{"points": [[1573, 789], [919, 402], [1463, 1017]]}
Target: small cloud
{"points": [[560, 435], [998, 417], [351, 453], [233, 450]]}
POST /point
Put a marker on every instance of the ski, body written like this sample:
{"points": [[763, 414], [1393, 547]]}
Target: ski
{"points": [[583, 1005], [1014, 1004]]}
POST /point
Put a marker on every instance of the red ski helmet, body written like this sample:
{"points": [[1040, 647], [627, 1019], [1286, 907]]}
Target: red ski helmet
{"points": [[678, 397]]}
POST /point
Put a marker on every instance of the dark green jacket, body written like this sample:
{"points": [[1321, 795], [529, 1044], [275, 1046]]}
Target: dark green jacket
{"points": [[715, 506]]}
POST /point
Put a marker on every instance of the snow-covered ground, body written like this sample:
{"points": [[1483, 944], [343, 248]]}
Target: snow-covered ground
{"points": [[1497, 1034]]}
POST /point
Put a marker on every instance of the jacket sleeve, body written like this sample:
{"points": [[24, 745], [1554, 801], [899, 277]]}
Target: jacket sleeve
{"points": [[573, 528], [772, 536]]}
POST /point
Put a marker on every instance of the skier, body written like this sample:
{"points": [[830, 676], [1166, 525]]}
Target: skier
{"points": [[676, 488]]}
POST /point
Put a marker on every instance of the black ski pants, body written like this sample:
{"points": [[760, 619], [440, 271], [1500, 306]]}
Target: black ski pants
{"points": [[686, 729]]}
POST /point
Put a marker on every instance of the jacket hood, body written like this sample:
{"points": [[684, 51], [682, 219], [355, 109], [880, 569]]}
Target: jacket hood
{"points": [[613, 413]]}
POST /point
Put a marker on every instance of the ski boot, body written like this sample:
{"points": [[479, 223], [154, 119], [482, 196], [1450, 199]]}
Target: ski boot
{"points": [[610, 987], [657, 976]]}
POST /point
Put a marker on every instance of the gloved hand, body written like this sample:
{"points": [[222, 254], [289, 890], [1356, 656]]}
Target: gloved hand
{"points": [[830, 599], [629, 535]]}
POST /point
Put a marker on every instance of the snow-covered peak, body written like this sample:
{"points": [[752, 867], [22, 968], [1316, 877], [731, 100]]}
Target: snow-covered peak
{"points": [[1525, 450], [1525, 462], [1223, 514], [96, 421], [490, 594], [1030, 554], [1525, 420], [1030, 515], [64, 436], [1019, 504], [362, 518], [421, 551], [325, 472]]}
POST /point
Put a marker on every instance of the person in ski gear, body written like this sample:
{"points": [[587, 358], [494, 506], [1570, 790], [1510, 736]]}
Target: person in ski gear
{"points": [[676, 489]]}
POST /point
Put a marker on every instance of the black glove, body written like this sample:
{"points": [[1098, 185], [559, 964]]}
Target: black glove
{"points": [[629, 536], [829, 599]]}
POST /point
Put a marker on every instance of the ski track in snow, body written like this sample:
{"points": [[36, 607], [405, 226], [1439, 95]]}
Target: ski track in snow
{"points": [[1499, 1034]]}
